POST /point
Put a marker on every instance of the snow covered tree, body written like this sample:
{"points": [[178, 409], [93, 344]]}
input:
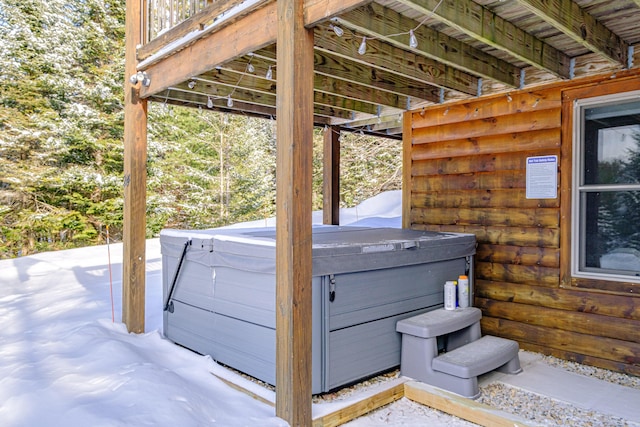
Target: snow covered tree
{"points": [[60, 97], [61, 140]]}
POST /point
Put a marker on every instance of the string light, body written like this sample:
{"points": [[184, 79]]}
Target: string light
{"points": [[191, 84], [209, 102], [413, 41], [229, 101], [269, 75], [509, 99], [339, 31], [250, 67], [363, 46]]}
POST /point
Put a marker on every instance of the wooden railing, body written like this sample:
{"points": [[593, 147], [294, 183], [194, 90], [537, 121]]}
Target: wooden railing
{"points": [[162, 15]]}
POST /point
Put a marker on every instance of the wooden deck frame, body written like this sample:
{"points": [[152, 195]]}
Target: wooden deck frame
{"points": [[294, 105], [331, 176], [135, 181], [387, 393]]}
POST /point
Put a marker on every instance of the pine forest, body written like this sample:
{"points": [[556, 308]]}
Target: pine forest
{"points": [[61, 141]]}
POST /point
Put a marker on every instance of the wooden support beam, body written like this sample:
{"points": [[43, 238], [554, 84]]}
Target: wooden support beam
{"points": [[382, 56], [386, 395], [135, 181], [233, 41], [487, 27], [378, 21], [359, 73], [232, 78], [331, 176], [293, 214], [407, 147], [462, 407], [568, 17], [380, 79]]}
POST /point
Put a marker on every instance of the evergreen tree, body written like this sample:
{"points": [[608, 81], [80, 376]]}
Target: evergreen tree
{"points": [[60, 130], [61, 140]]}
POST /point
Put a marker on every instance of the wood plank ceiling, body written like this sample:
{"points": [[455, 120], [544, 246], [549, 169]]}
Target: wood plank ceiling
{"points": [[464, 49]]}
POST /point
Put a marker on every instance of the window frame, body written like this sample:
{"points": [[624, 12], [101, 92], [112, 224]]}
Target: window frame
{"points": [[578, 202]]}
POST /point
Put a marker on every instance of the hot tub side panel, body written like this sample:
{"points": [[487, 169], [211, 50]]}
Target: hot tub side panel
{"points": [[361, 320], [224, 300]]}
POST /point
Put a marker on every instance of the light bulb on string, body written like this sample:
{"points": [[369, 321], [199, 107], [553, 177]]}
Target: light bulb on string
{"points": [[209, 102], [363, 46], [229, 101], [413, 41], [250, 67], [269, 73], [191, 84], [339, 31]]}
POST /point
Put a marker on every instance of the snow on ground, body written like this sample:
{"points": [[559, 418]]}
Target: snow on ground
{"points": [[64, 362]]}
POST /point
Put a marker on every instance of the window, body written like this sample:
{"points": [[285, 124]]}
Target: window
{"points": [[606, 196]]}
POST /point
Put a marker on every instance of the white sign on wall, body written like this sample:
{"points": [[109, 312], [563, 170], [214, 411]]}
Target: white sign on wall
{"points": [[542, 177]]}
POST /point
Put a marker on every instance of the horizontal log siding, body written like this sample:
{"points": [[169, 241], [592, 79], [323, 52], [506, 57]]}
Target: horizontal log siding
{"points": [[468, 174]]}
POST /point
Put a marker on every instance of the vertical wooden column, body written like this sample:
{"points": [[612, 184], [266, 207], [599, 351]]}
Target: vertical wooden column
{"points": [[135, 180], [331, 176], [407, 146], [294, 103]]}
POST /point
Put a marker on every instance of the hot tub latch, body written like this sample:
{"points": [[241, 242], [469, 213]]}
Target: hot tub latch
{"points": [[332, 287]]}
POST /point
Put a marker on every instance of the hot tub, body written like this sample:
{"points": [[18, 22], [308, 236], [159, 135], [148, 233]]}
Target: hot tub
{"points": [[364, 281]]}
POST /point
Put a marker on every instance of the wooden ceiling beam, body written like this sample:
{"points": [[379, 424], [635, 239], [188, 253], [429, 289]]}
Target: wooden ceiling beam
{"points": [[383, 56], [377, 21], [252, 96], [331, 84], [358, 73], [321, 95], [234, 75], [569, 18], [241, 104], [377, 123], [490, 29], [248, 34]]}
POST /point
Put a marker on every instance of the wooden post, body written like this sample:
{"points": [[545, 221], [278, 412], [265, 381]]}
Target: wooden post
{"points": [[135, 180], [407, 146], [294, 104], [331, 176]]}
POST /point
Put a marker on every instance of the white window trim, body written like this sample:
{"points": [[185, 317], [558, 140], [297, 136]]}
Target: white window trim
{"points": [[577, 163]]}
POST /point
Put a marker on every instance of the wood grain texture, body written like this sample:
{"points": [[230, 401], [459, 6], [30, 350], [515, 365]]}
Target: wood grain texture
{"points": [[293, 214], [331, 176], [135, 183], [501, 125], [589, 345], [585, 323], [616, 306], [461, 407], [361, 407]]}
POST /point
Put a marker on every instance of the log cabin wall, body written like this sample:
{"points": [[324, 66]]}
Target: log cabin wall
{"points": [[465, 171]]}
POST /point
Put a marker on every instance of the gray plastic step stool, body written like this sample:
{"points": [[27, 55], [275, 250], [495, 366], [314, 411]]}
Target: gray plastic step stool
{"points": [[467, 353]]}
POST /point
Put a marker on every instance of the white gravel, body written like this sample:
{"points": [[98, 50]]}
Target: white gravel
{"points": [[540, 410]]}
